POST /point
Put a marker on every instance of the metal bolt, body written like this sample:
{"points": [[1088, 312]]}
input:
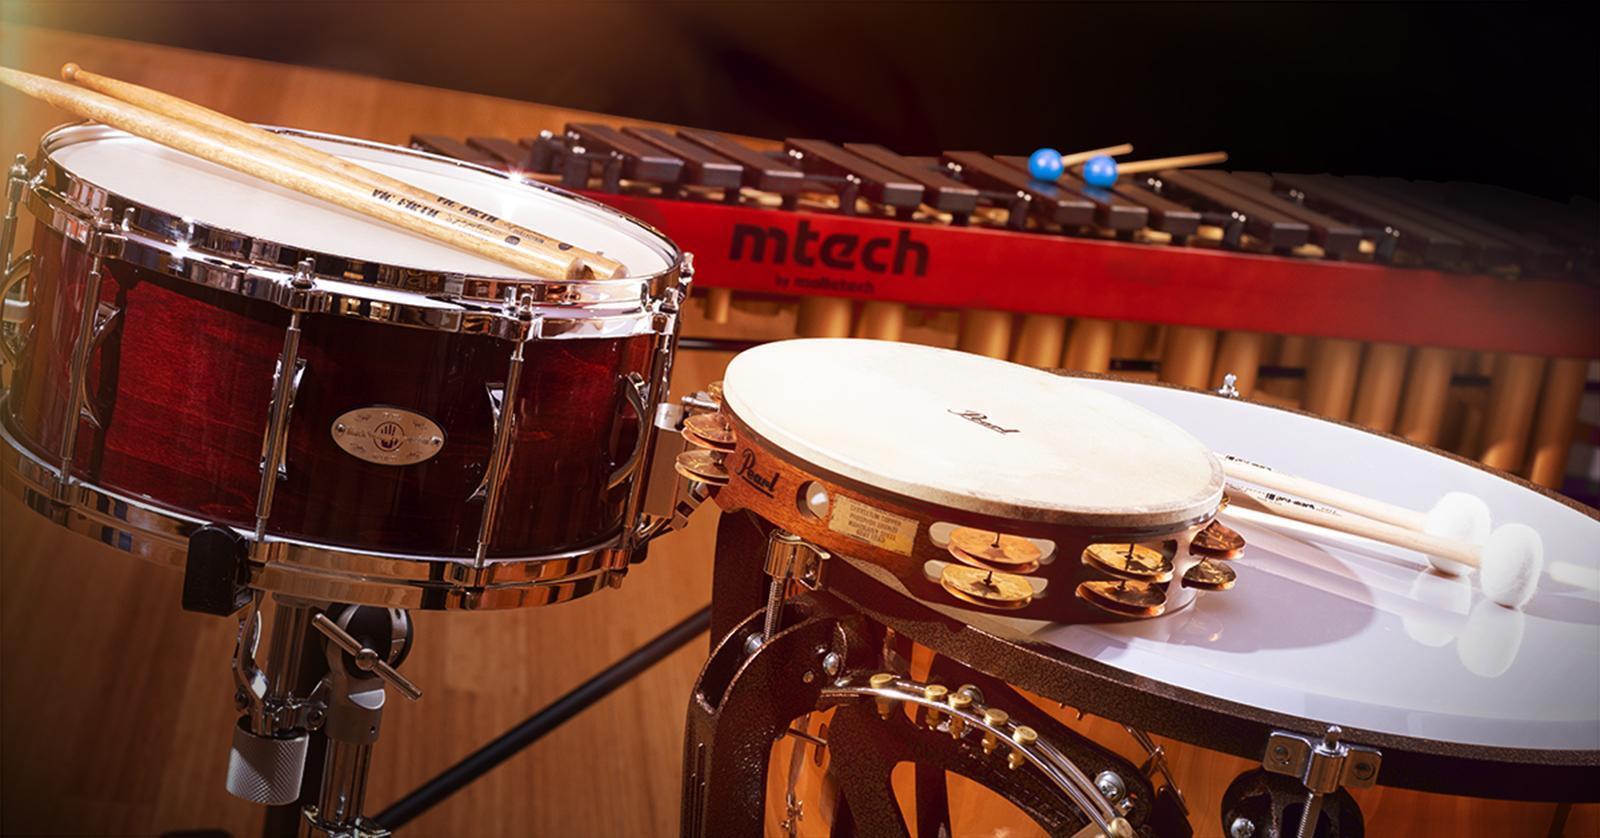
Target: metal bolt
{"points": [[1241, 828], [752, 644], [832, 663], [240, 701], [1280, 754], [1110, 785], [809, 676], [882, 681], [1362, 771]]}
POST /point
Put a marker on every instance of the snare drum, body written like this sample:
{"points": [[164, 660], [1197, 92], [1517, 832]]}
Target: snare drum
{"points": [[385, 419], [1434, 687]]}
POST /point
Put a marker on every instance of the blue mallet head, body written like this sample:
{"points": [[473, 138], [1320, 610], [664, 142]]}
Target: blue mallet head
{"points": [[1045, 164], [1100, 170]]}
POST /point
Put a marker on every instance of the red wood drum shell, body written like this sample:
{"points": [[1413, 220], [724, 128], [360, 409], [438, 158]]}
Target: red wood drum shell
{"points": [[182, 382]]}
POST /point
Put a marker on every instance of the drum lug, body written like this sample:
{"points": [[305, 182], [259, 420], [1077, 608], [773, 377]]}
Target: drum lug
{"points": [[14, 313], [1323, 766], [636, 394], [496, 392], [106, 314], [294, 389]]}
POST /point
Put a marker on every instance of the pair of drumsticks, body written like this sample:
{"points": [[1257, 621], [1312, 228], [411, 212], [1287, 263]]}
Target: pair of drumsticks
{"points": [[234, 144]]}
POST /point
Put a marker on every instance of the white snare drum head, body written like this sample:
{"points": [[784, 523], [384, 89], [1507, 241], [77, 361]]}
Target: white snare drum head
{"points": [[186, 186], [972, 433], [1350, 632]]}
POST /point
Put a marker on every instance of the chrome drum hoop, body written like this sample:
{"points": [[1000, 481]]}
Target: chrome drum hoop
{"points": [[311, 571], [239, 263]]}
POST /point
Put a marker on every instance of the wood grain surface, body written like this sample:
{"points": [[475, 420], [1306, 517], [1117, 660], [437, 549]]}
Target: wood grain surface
{"points": [[115, 705]]}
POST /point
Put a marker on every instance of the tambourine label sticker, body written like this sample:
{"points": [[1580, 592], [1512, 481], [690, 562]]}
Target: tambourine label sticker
{"points": [[884, 530], [388, 436]]}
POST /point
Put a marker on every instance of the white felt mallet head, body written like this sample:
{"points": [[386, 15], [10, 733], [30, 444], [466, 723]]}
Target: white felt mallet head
{"points": [[1510, 564], [1457, 516]]}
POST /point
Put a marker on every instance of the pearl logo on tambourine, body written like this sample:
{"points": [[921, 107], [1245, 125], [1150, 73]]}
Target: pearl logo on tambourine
{"points": [[387, 436], [982, 421]]}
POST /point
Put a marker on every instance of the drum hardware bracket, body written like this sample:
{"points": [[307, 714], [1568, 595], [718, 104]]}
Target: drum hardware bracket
{"points": [[12, 311], [788, 557], [216, 571], [1322, 766]]}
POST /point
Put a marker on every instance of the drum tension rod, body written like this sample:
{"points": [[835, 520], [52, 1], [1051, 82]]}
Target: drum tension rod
{"points": [[1322, 766], [788, 557]]}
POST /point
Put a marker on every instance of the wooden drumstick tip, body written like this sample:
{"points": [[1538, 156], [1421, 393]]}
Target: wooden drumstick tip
{"points": [[69, 70]]}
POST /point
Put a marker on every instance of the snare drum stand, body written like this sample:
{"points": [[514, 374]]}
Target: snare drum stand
{"points": [[342, 708]]}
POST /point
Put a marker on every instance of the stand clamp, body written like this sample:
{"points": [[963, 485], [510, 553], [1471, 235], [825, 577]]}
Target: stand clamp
{"points": [[357, 675], [1260, 806]]}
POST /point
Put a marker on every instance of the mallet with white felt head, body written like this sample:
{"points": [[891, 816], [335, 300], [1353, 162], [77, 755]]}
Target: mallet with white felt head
{"points": [[1509, 561], [1457, 516]]}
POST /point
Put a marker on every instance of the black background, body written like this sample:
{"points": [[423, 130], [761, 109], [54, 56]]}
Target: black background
{"points": [[1506, 94]]}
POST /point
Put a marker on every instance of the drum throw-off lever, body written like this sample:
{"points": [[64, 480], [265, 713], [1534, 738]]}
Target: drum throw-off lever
{"points": [[1322, 766]]}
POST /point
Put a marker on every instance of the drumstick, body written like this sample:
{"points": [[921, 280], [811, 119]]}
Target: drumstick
{"points": [[537, 256], [202, 117], [1456, 515], [1509, 563]]}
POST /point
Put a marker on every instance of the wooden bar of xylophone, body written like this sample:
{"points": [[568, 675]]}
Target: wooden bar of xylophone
{"points": [[1452, 314]]}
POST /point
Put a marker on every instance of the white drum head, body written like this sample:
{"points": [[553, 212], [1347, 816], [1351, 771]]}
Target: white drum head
{"points": [[972, 433], [185, 186], [1349, 632]]}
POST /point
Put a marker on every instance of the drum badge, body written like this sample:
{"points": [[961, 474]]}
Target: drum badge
{"points": [[388, 436]]}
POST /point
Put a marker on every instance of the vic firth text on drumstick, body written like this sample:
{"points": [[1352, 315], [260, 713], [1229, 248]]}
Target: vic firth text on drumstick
{"points": [[539, 256]]}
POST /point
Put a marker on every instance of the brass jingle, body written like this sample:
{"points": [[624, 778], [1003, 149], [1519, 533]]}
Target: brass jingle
{"points": [[965, 558], [986, 588], [1210, 575], [701, 442], [1126, 599], [1217, 541], [992, 548], [714, 428], [714, 391], [702, 465], [1130, 561]]}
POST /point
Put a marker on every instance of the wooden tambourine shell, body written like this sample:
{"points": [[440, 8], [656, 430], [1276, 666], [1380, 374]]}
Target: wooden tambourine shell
{"points": [[891, 528]]}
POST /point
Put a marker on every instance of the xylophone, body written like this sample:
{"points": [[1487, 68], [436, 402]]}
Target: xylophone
{"points": [[1452, 314]]}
